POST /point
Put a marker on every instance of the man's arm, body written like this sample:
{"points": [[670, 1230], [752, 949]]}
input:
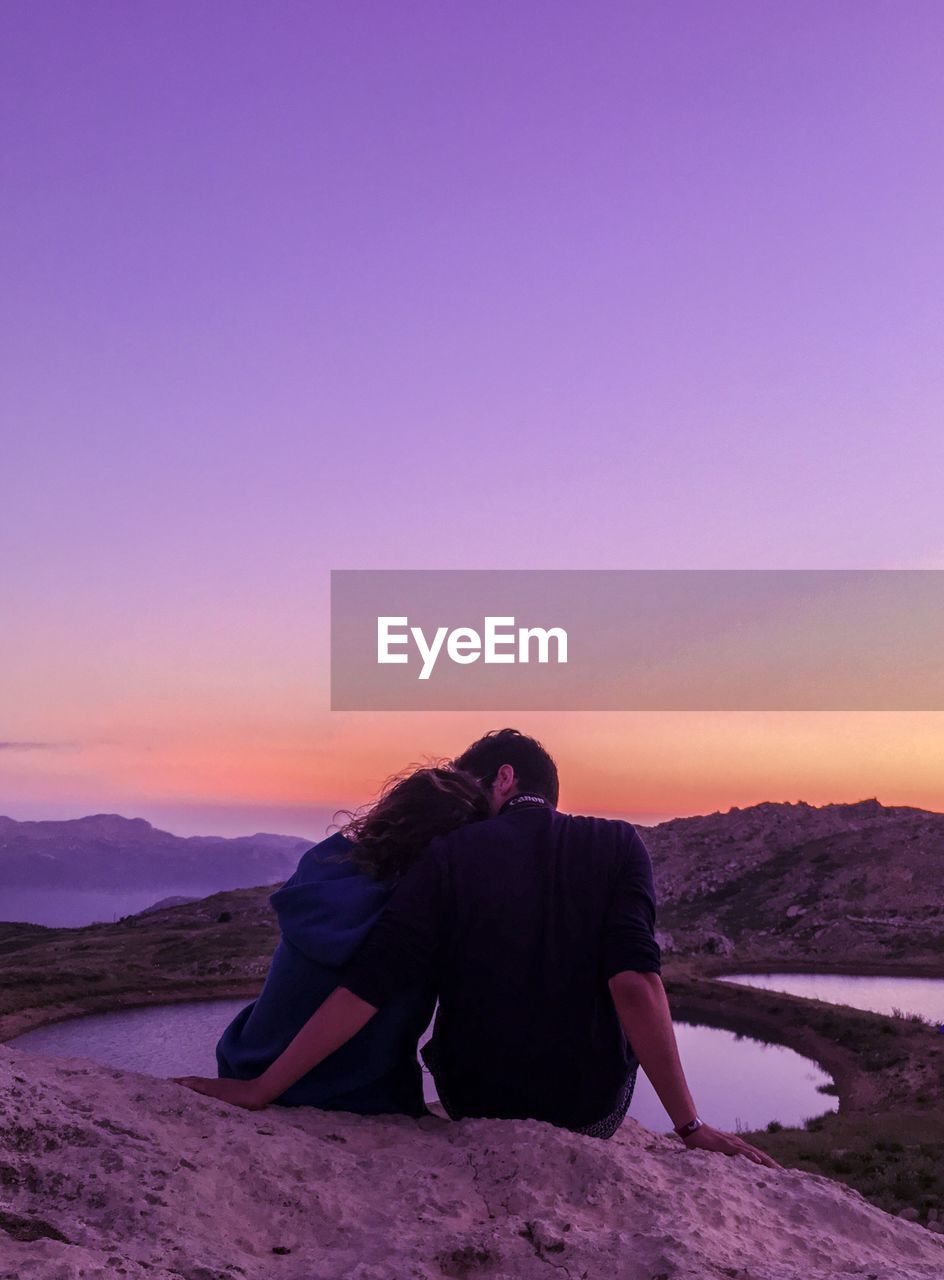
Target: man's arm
{"points": [[643, 1011], [404, 947], [332, 1024], [400, 950], [633, 963]]}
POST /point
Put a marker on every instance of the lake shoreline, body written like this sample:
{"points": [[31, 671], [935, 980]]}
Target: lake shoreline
{"points": [[848, 968], [695, 997], [167, 957], [728, 1014]]}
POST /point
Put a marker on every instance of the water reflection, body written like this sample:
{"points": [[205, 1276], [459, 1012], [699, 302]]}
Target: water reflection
{"points": [[736, 1081], [739, 1083], [878, 994]]}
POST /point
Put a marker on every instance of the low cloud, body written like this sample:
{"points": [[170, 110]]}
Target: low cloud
{"points": [[37, 746]]}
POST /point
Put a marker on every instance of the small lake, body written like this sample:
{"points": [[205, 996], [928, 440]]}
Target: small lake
{"points": [[876, 994], [737, 1082]]}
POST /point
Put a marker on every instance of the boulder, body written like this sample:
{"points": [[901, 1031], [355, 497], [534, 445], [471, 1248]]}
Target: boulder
{"points": [[107, 1174]]}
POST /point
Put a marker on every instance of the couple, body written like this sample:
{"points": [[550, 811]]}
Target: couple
{"points": [[533, 928]]}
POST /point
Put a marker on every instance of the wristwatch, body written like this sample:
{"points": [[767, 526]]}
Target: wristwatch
{"points": [[686, 1130]]}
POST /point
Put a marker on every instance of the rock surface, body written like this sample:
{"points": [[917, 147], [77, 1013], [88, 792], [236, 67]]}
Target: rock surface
{"points": [[105, 1174]]}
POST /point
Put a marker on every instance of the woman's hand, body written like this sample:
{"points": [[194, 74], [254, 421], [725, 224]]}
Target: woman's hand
{"points": [[238, 1093], [729, 1144]]}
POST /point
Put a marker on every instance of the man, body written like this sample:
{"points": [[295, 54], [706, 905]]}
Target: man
{"points": [[537, 929]]}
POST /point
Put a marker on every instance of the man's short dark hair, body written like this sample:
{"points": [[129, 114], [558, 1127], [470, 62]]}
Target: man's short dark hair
{"points": [[534, 768]]}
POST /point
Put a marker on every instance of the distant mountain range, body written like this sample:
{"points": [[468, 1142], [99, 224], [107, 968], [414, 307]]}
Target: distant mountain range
{"points": [[838, 881], [106, 851], [857, 881]]}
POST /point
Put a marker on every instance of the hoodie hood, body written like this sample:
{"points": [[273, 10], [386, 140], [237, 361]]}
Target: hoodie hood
{"points": [[329, 905]]}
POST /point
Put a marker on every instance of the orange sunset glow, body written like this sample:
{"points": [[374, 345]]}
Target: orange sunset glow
{"points": [[235, 777]]}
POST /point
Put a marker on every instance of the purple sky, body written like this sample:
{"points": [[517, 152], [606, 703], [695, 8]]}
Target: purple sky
{"points": [[290, 287]]}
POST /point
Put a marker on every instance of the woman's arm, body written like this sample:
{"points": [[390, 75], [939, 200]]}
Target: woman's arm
{"points": [[332, 1024]]}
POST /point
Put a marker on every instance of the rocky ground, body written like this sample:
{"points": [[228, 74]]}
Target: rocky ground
{"points": [[106, 1175]]}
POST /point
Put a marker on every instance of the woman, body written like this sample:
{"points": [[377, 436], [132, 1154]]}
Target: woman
{"points": [[325, 911]]}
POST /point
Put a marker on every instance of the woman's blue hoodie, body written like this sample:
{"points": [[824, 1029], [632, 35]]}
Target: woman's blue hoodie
{"points": [[325, 912]]}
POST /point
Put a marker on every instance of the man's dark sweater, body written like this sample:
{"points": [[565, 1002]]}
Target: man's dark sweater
{"points": [[519, 922]]}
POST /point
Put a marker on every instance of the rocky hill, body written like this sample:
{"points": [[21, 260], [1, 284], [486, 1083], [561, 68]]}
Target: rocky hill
{"points": [[107, 1174], [105, 850], [773, 882], [796, 881]]}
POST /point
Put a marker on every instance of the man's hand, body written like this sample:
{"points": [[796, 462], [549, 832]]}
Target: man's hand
{"points": [[332, 1024], [238, 1093], [728, 1144]]}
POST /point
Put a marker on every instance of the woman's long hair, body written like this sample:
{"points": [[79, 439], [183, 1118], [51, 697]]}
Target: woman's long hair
{"points": [[412, 809]]}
